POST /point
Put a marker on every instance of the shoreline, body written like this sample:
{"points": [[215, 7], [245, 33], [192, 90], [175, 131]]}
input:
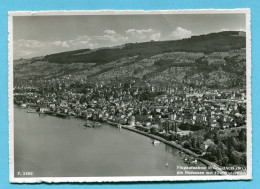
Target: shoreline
{"points": [[170, 143], [214, 166], [174, 145]]}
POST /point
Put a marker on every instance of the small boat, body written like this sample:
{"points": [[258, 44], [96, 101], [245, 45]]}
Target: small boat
{"points": [[156, 142], [23, 105], [166, 165], [97, 124], [29, 110], [87, 125], [186, 159], [194, 161], [190, 160]]}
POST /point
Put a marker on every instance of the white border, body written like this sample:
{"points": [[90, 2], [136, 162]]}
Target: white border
{"points": [[12, 179]]}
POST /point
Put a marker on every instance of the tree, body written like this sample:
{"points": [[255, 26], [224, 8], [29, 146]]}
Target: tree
{"points": [[200, 140], [243, 159], [145, 112], [242, 135], [187, 145], [219, 156], [220, 121], [193, 142], [211, 153], [234, 158], [153, 130], [172, 137], [225, 160], [241, 109], [217, 139], [241, 147], [232, 142]]}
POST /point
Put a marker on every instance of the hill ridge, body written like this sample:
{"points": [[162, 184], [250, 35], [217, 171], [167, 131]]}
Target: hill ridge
{"points": [[195, 61]]}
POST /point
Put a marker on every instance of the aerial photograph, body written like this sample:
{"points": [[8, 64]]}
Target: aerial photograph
{"points": [[130, 95]]}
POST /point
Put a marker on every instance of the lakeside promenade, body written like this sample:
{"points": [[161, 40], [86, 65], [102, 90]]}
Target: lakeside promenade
{"points": [[214, 166]]}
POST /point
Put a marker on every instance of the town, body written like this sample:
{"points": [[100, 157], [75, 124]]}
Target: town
{"points": [[209, 122]]}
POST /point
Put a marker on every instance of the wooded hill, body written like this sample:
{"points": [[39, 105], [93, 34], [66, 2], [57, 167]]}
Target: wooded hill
{"points": [[214, 42], [213, 60]]}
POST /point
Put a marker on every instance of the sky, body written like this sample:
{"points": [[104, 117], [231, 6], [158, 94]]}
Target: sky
{"points": [[41, 35]]}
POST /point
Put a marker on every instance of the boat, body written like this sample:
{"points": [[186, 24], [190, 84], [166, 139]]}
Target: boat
{"points": [[87, 125], [194, 161], [29, 110], [97, 124], [61, 115], [23, 105], [186, 159], [166, 165], [190, 160], [156, 142]]}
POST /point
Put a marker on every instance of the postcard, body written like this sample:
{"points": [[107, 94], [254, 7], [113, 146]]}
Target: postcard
{"points": [[128, 96]]}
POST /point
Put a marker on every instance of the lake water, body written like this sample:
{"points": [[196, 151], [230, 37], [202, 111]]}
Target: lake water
{"points": [[50, 146]]}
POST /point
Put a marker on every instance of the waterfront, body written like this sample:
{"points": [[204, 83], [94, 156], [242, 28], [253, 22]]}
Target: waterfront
{"points": [[50, 146]]}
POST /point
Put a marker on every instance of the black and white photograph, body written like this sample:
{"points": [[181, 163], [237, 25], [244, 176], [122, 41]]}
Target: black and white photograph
{"points": [[128, 96]]}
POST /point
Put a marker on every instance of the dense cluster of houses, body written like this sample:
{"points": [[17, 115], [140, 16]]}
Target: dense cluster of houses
{"points": [[165, 109]]}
